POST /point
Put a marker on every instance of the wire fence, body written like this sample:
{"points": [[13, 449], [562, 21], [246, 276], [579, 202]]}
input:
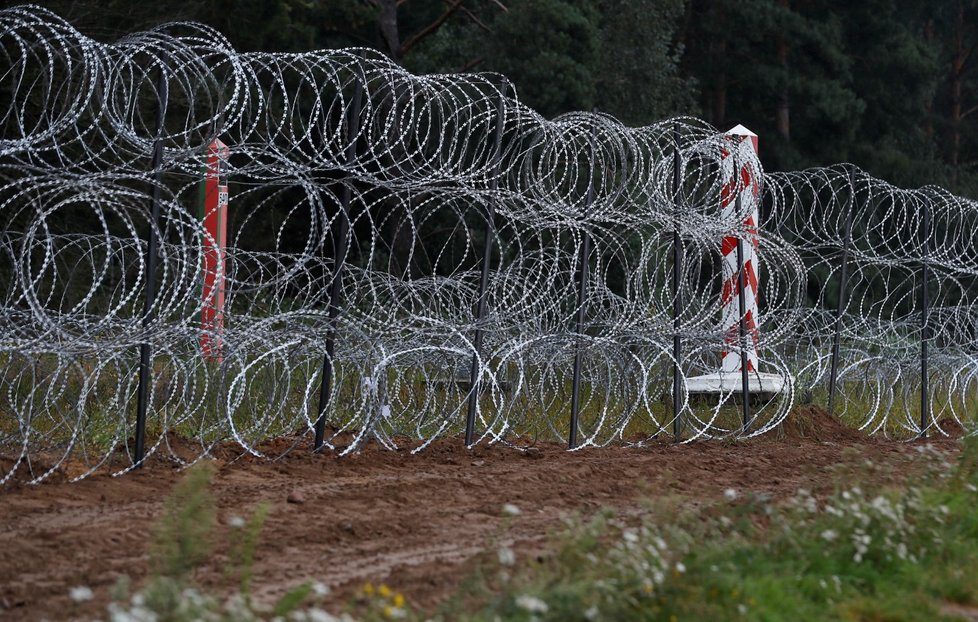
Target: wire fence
{"points": [[412, 257]]}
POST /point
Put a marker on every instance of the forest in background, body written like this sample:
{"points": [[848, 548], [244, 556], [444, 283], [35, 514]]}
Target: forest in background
{"points": [[889, 85]]}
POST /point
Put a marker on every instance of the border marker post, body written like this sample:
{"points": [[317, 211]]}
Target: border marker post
{"points": [[214, 217], [741, 278]]}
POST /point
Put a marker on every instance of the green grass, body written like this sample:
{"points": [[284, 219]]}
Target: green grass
{"points": [[189, 400], [863, 554]]}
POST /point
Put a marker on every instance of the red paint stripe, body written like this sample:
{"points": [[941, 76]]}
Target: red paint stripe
{"points": [[751, 276]]}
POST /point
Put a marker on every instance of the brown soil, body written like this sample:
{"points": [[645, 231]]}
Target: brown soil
{"points": [[417, 523], [814, 423], [951, 427]]}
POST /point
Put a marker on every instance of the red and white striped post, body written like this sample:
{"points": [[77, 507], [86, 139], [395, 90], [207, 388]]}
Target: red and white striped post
{"points": [[740, 170], [213, 215]]}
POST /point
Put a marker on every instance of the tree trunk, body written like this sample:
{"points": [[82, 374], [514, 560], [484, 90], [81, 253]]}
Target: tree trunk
{"points": [[929, 120], [781, 114], [718, 90], [957, 76], [387, 22]]}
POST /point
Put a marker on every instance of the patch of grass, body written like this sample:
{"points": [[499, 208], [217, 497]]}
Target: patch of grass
{"points": [[862, 554]]}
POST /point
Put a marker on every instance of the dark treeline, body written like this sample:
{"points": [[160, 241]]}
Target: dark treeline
{"points": [[887, 84]]}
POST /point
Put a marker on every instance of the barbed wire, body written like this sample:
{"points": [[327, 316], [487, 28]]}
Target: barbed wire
{"points": [[344, 169]]}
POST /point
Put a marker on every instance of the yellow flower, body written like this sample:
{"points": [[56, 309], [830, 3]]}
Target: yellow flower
{"points": [[398, 600], [388, 611], [673, 619], [368, 589], [384, 591]]}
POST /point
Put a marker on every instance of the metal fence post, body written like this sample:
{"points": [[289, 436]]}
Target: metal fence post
{"points": [[152, 250], [925, 323], [581, 300], [742, 327], [474, 388], [340, 247], [677, 261], [843, 276]]}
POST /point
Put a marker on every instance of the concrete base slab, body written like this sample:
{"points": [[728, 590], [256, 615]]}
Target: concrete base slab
{"points": [[716, 384]]}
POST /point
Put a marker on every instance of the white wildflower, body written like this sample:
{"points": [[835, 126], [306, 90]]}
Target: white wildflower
{"points": [[531, 604], [81, 593], [511, 510], [320, 589], [730, 494], [902, 550], [118, 614], [506, 556], [829, 535], [318, 615], [592, 613], [680, 567], [138, 613], [742, 608], [193, 597], [236, 521]]}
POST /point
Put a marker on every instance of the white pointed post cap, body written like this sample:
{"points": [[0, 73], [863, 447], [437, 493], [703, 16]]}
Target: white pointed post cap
{"points": [[740, 130]]}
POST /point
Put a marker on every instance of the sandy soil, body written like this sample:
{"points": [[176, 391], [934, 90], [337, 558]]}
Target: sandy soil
{"points": [[417, 523]]}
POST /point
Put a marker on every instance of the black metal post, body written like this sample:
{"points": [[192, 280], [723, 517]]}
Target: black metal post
{"points": [[843, 277], [925, 323], [677, 303], [474, 388], [581, 299], [152, 250], [742, 304], [340, 245]]}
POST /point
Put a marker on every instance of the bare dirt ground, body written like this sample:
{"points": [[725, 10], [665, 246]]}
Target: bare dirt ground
{"points": [[417, 523]]}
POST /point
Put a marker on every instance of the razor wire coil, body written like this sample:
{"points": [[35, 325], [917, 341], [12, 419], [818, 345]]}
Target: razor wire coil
{"points": [[425, 183]]}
